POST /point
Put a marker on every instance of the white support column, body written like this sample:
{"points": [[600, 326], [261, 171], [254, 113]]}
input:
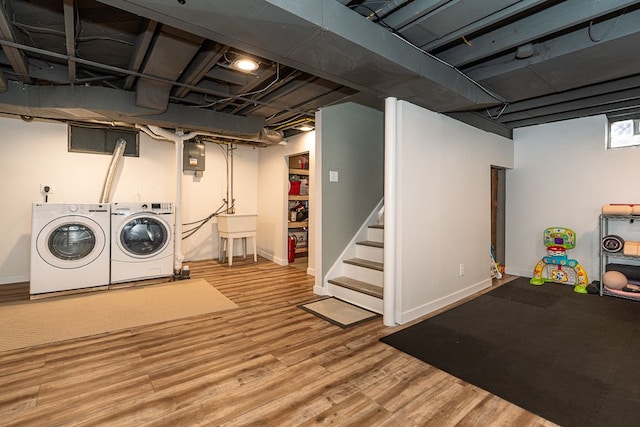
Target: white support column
{"points": [[390, 152]]}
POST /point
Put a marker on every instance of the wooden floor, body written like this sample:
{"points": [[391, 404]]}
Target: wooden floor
{"points": [[267, 363]]}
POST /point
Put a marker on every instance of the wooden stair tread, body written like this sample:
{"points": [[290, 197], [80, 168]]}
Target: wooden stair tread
{"points": [[365, 263], [371, 243], [357, 285]]}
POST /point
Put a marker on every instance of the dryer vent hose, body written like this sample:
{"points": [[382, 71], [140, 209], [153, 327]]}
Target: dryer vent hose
{"points": [[116, 158]]}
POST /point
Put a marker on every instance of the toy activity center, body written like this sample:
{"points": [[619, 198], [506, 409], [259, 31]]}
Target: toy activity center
{"points": [[557, 266], [619, 257]]}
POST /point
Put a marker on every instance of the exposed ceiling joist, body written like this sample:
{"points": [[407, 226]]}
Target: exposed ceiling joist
{"points": [[486, 22], [306, 34], [70, 38], [143, 42], [561, 16], [460, 13], [568, 55], [15, 56], [170, 54], [524, 62], [606, 99], [589, 92], [622, 106], [206, 58]]}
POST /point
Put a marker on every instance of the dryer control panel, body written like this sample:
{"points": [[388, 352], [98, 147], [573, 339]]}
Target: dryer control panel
{"points": [[127, 208]]}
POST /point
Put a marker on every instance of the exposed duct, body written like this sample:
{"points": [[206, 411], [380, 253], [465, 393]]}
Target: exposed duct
{"points": [[116, 159], [171, 53], [101, 104]]}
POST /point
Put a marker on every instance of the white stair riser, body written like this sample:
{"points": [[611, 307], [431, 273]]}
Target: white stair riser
{"points": [[363, 274], [375, 234], [362, 300], [370, 253]]}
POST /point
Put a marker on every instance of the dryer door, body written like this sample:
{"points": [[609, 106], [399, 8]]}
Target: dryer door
{"points": [[71, 242], [144, 235]]}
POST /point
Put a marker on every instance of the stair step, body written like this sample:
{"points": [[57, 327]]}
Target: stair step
{"points": [[357, 285], [371, 243], [373, 265], [375, 233]]}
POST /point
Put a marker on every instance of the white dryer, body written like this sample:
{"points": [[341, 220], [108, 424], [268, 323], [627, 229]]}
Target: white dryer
{"points": [[69, 246], [141, 241]]}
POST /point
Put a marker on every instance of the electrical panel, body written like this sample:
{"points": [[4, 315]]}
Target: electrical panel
{"points": [[193, 158]]}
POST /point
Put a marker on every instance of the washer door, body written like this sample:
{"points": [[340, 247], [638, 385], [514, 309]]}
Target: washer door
{"points": [[70, 242], [143, 236]]}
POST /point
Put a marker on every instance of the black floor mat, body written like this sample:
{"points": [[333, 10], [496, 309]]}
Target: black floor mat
{"points": [[570, 358]]}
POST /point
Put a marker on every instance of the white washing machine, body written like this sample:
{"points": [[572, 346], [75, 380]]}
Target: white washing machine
{"points": [[69, 246], [141, 241]]}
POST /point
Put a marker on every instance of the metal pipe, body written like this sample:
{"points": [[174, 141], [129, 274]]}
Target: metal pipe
{"points": [[116, 158], [178, 139], [231, 202]]}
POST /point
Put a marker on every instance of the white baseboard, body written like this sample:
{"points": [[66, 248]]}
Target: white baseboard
{"points": [[432, 306], [271, 258], [319, 290], [519, 272], [8, 280]]}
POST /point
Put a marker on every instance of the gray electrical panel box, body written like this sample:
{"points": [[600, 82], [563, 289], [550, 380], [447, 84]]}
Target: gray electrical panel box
{"points": [[193, 158]]}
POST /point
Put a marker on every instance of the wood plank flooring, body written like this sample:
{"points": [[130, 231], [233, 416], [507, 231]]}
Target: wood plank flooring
{"points": [[267, 363]]}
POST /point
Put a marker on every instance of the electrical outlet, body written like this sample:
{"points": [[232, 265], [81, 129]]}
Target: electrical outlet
{"points": [[46, 188], [461, 269]]}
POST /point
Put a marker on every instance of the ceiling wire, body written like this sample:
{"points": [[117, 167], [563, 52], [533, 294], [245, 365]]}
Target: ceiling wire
{"points": [[255, 92], [291, 123], [487, 91], [497, 116]]}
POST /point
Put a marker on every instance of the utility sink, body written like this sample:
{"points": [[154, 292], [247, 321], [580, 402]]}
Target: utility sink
{"points": [[236, 226], [237, 223]]}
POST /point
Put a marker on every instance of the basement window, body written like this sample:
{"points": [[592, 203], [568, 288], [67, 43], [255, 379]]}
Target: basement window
{"points": [[624, 133], [91, 138]]}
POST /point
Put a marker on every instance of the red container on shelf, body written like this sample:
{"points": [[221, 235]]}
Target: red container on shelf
{"points": [[291, 249], [294, 188]]}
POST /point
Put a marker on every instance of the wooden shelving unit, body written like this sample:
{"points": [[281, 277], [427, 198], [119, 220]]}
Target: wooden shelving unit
{"points": [[298, 172]]}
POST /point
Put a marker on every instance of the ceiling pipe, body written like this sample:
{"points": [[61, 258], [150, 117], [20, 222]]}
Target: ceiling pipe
{"points": [[178, 139]]}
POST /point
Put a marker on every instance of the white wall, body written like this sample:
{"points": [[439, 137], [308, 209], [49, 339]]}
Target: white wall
{"points": [[562, 177], [35, 152], [205, 195], [444, 217], [351, 143], [272, 198]]}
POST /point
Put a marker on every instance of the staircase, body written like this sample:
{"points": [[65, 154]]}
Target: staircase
{"points": [[362, 277]]}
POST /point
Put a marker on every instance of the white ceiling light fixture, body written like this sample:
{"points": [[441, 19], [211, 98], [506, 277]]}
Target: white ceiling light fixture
{"points": [[304, 128], [246, 64]]}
